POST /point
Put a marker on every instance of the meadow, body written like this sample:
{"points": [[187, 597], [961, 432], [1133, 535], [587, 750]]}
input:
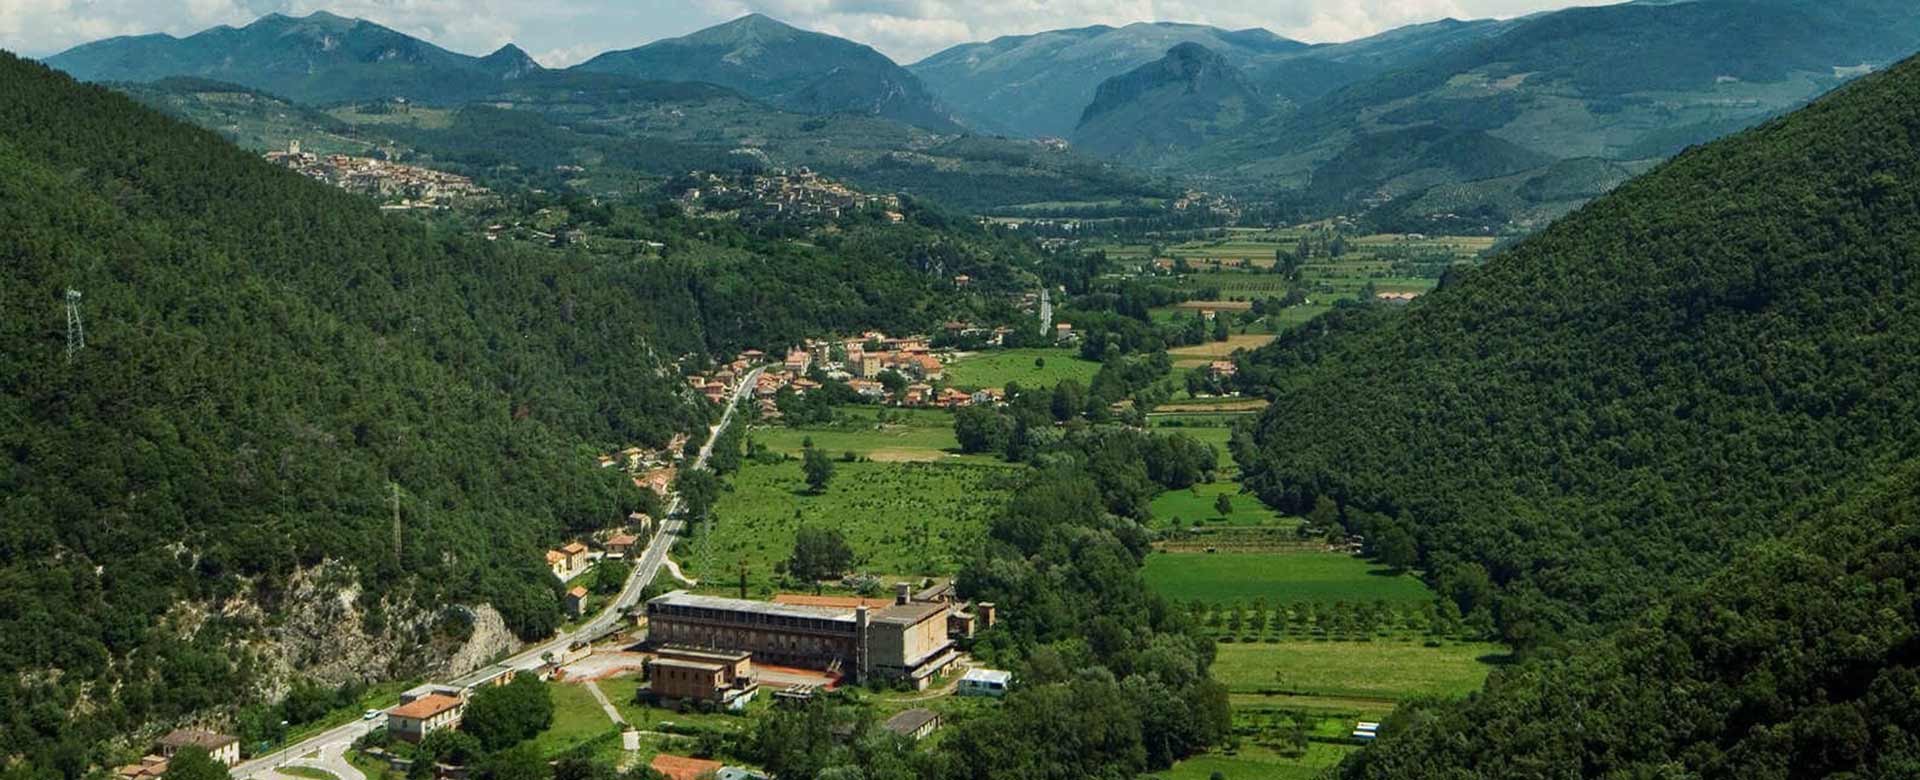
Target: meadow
{"points": [[1195, 505], [1388, 670], [998, 368], [878, 433], [1279, 577], [904, 519]]}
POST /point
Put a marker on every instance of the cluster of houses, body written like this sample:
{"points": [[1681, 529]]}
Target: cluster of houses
{"points": [[572, 559], [404, 186], [783, 194]]}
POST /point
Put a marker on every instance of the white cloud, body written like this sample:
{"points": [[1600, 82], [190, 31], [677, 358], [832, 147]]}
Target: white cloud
{"points": [[568, 31]]}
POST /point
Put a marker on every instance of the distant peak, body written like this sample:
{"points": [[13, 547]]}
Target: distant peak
{"points": [[509, 51], [1192, 52]]}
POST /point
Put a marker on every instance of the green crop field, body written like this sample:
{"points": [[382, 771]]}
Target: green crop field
{"points": [[1278, 577], [1195, 505], [872, 432], [900, 518], [1389, 669], [998, 368]]}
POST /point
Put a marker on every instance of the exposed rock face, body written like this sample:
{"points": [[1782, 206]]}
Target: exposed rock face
{"points": [[319, 630]]}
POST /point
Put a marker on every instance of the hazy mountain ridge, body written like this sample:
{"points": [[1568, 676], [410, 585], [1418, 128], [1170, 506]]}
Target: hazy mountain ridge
{"points": [[789, 67]]}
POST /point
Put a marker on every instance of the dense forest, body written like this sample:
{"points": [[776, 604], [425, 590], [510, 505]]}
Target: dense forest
{"points": [[1614, 410], [270, 364]]}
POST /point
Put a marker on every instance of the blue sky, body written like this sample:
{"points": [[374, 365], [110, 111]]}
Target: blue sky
{"points": [[563, 32]]}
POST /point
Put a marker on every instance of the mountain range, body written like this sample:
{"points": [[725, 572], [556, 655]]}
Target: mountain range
{"points": [[1449, 125]]}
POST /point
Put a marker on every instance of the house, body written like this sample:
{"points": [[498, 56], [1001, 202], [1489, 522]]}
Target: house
{"points": [[868, 388], [641, 522], [557, 563], [1063, 331], [659, 480], [798, 361], [913, 724], [1222, 369], [577, 601], [622, 545], [576, 556], [984, 682], [149, 768], [684, 768], [416, 719], [962, 280], [991, 395], [223, 748]]}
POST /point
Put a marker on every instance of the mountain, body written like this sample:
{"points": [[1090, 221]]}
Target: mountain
{"points": [[792, 68], [321, 58], [1620, 404], [1039, 85], [1625, 82], [1182, 100]]}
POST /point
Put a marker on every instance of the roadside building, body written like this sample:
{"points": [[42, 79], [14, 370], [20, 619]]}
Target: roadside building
{"points": [[622, 545], [416, 719], [222, 747], [151, 767], [576, 556], [984, 682], [577, 601], [915, 724]]}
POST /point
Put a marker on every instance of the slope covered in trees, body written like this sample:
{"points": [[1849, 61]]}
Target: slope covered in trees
{"points": [[1799, 661], [267, 359], [1619, 404]]}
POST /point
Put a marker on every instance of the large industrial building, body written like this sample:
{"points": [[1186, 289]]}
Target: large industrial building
{"points": [[906, 640]]}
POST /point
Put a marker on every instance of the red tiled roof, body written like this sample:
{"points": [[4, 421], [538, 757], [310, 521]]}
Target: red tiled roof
{"points": [[425, 707], [682, 767], [578, 592]]}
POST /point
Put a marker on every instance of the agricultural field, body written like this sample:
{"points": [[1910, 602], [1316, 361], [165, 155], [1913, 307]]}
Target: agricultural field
{"points": [[1199, 355], [876, 433], [902, 519], [1386, 670], [1029, 367], [1279, 577], [1195, 506], [1258, 763]]}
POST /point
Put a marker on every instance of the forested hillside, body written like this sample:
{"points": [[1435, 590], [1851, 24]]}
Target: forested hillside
{"points": [[1615, 407], [268, 360], [1799, 661]]}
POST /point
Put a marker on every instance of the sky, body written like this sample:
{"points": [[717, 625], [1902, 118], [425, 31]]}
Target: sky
{"points": [[559, 33]]}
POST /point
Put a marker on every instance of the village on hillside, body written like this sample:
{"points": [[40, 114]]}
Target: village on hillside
{"points": [[396, 186]]}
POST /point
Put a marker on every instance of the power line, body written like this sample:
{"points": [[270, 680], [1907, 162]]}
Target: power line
{"points": [[76, 330]]}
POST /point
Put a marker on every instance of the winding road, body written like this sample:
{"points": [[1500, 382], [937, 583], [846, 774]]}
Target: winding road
{"points": [[331, 745]]}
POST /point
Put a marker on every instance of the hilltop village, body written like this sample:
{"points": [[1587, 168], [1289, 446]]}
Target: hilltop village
{"points": [[782, 194], [397, 187]]}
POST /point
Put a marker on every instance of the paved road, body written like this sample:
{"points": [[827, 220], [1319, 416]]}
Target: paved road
{"points": [[339, 738], [1046, 312]]}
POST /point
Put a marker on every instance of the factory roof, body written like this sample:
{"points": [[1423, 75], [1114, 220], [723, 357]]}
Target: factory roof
{"points": [[681, 598]]}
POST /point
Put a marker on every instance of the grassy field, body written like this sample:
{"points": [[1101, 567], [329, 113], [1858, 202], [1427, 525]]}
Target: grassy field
{"points": [[996, 369], [1389, 670], [900, 518], [881, 434], [1195, 505], [1199, 355], [1278, 577], [577, 719]]}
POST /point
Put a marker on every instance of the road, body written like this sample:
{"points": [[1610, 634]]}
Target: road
{"points": [[1046, 312], [332, 743]]}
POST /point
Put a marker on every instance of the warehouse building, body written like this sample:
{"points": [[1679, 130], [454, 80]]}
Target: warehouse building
{"points": [[906, 640]]}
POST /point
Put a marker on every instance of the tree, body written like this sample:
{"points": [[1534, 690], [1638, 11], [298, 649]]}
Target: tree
{"points": [[519, 763], [1223, 505], [448, 746], [503, 716], [819, 554], [981, 429], [1069, 400], [818, 468], [699, 489], [1220, 330], [194, 763], [1397, 549]]}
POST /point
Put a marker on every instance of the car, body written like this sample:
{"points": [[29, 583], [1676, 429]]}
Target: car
{"points": [[369, 714]]}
